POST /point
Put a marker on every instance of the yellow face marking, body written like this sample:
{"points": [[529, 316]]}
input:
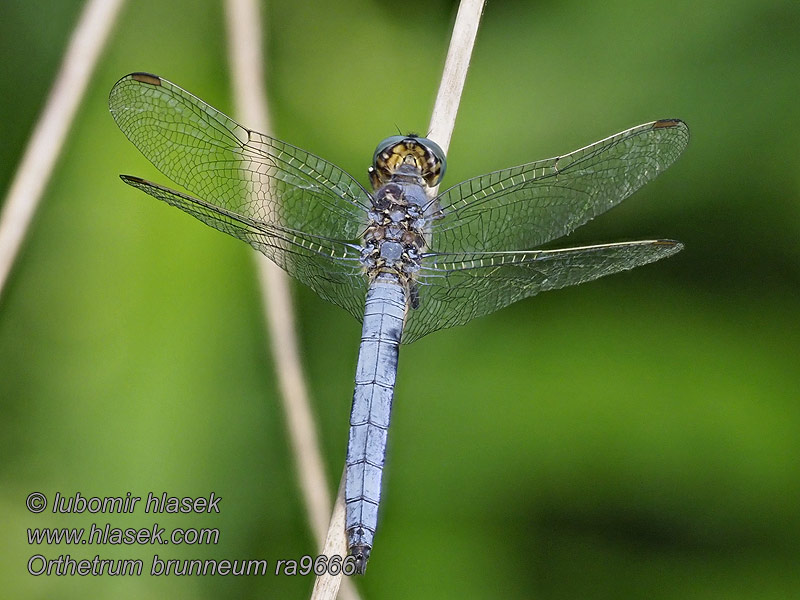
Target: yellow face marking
{"points": [[409, 153]]}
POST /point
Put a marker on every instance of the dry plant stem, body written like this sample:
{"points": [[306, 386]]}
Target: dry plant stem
{"points": [[326, 586], [245, 38], [244, 35], [465, 30], [87, 40]]}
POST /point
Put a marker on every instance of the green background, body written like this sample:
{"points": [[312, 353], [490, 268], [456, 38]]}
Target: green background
{"points": [[636, 437]]}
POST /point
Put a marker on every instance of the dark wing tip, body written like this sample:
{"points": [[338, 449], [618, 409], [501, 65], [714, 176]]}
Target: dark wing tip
{"points": [[665, 123], [675, 245], [139, 76], [132, 179], [143, 77]]}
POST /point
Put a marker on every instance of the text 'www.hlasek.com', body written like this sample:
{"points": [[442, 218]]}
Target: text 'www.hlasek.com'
{"points": [[103, 533]]}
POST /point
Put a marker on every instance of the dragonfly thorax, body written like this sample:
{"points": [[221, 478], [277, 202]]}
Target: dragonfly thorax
{"points": [[394, 239]]}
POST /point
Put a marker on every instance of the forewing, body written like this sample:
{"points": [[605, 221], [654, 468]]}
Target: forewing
{"points": [[523, 207], [329, 267], [239, 170], [455, 288]]}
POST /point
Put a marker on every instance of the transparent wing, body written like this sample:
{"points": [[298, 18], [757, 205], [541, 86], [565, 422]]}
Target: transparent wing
{"points": [[329, 267], [455, 288], [242, 171], [523, 207]]}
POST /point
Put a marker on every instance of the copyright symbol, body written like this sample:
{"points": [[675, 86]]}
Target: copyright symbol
{"points": [[36, 502]]}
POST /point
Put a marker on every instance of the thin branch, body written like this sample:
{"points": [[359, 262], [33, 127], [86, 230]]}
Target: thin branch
{"points": [[326, 586], [465, 29], [85, 45], [245, 40]]}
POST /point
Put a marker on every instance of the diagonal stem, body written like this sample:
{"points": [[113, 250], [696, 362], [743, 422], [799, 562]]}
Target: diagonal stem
{"points": [[454, 75], [85, 45], [245, 38]]}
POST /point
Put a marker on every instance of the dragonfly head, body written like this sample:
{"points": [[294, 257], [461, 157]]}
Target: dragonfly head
{"points": [[398, 150]]}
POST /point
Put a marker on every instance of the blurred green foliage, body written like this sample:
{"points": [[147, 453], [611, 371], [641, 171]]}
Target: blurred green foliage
{"points": [[632, 438]]}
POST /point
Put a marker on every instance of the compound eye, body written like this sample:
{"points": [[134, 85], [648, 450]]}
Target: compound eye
{"points": [[386, 144], [435, 159], [437, 163], [433, 148]]}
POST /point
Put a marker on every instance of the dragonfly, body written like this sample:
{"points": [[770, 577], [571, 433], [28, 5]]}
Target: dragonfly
{"points": [[402, 258]]}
